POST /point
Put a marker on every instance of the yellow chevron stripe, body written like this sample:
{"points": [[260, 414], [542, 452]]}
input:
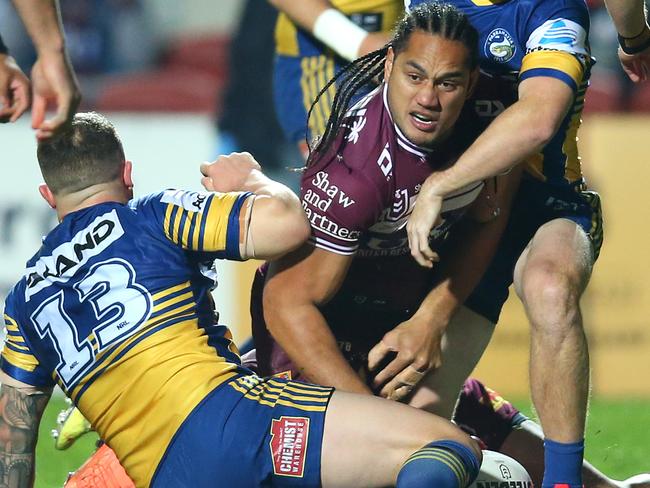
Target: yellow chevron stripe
{"points": [[185, 240], [275, 385], [325, 104], [180, 216], [197, 231], [20, 360], [259, 392], [107, 358], [167, 221], [304, 386], [278, 401], [162, 317], [10, 323], [177, 299], [168, 291], [304, 83], [18, 346]]}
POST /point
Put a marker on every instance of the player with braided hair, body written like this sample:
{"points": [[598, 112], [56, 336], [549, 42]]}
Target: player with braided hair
{"points": [[366, 70], [355, 280], [115, 308]]}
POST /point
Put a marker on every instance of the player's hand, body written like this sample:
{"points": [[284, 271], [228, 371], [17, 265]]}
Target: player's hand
{"points": [[53, 82], [425, 216], [230, 173], [636, 66], [15, 96], [417, 343], [373, 42]]}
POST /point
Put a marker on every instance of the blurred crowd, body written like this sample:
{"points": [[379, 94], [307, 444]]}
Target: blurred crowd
{"points": [[103, 36], [611, 89], [124, 64]]}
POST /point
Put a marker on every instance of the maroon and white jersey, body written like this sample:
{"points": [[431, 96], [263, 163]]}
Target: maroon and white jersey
{"points": [[359, 195]]}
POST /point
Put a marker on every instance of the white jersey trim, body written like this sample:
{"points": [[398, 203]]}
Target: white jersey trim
{"points": [[560, 35], [328, 246]]}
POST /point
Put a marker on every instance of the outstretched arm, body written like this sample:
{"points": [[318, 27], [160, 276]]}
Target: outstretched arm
{"points": [[53, 80], [417, 341], [519, 132], [21, 408], [331, 27], [630, 20]]}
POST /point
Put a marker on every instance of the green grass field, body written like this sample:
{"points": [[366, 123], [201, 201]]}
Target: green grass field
{"points": [[618, 441]]}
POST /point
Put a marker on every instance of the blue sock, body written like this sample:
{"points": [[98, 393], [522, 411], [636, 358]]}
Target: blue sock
{"points": [[443, 464], [563, 464]]}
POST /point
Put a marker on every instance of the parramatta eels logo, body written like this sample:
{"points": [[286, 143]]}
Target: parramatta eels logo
{"points": [[500, 46]]}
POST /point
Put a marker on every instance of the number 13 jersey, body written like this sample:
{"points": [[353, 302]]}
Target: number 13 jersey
{"points": [[116, 309]]}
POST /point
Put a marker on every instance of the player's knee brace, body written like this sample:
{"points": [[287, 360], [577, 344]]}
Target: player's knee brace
{"points": [[443, 464]]}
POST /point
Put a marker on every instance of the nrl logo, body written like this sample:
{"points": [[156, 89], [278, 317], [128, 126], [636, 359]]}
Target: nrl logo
{"points": [[500, 46]]}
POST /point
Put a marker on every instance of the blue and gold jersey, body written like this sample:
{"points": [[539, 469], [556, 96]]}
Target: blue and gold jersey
{"points": [[116, 309], [371, 15], [304, 65], [520, 39]]}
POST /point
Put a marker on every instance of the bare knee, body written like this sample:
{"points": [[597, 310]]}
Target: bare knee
{"points": [[551, 293]]}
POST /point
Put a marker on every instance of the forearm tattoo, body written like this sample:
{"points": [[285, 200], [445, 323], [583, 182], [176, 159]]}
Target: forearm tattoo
{"points": [[20, 415]]}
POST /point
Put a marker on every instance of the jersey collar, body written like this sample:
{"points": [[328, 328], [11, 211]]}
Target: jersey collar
{"points": [[401, 138]]}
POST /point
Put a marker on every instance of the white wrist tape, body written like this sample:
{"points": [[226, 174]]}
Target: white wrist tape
{"points": [[339, 33]]}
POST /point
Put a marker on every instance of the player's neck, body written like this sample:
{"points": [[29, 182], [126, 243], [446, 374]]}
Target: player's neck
{"points": [[88, 197]]}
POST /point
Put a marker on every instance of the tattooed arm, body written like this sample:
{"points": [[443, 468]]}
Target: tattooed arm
{"points": [[21, 408]]}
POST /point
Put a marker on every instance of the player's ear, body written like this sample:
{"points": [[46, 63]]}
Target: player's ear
{"points": [[388, 65], [127, 174], [47, 194], [473, 81]]}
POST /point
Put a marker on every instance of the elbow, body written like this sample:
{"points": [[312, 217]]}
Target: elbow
{"points": [[290, 225], [297, 230], [542, 134]]}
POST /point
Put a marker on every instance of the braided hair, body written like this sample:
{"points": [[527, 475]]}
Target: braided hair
{"points": [[440, 19]]}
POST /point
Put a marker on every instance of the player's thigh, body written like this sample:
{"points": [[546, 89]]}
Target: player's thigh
{"points": [[467, 336], [367, 439], [560, 249]]}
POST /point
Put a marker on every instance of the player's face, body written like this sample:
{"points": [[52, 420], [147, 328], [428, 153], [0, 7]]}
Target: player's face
{"points": [[428, 84]]}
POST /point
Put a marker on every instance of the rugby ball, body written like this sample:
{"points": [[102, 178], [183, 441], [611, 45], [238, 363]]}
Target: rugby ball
{"points": [[501, 471]]}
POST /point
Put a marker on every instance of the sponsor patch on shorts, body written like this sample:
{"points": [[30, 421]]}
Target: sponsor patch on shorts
{"points": [[289, 436]]}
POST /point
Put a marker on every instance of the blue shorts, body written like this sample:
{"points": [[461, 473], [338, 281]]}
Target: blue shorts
{"points": [[249, 432], [535, 204], [297, 81]]}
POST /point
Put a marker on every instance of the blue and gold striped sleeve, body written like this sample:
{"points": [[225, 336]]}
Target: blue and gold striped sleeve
{"points": [[557, 45], [207, 221], [561, 65], [18, 360]]}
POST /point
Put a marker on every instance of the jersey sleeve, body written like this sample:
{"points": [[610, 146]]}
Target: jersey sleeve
{"points": [[557, 44], [340, 203], [209, 222], [17, 358]]}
